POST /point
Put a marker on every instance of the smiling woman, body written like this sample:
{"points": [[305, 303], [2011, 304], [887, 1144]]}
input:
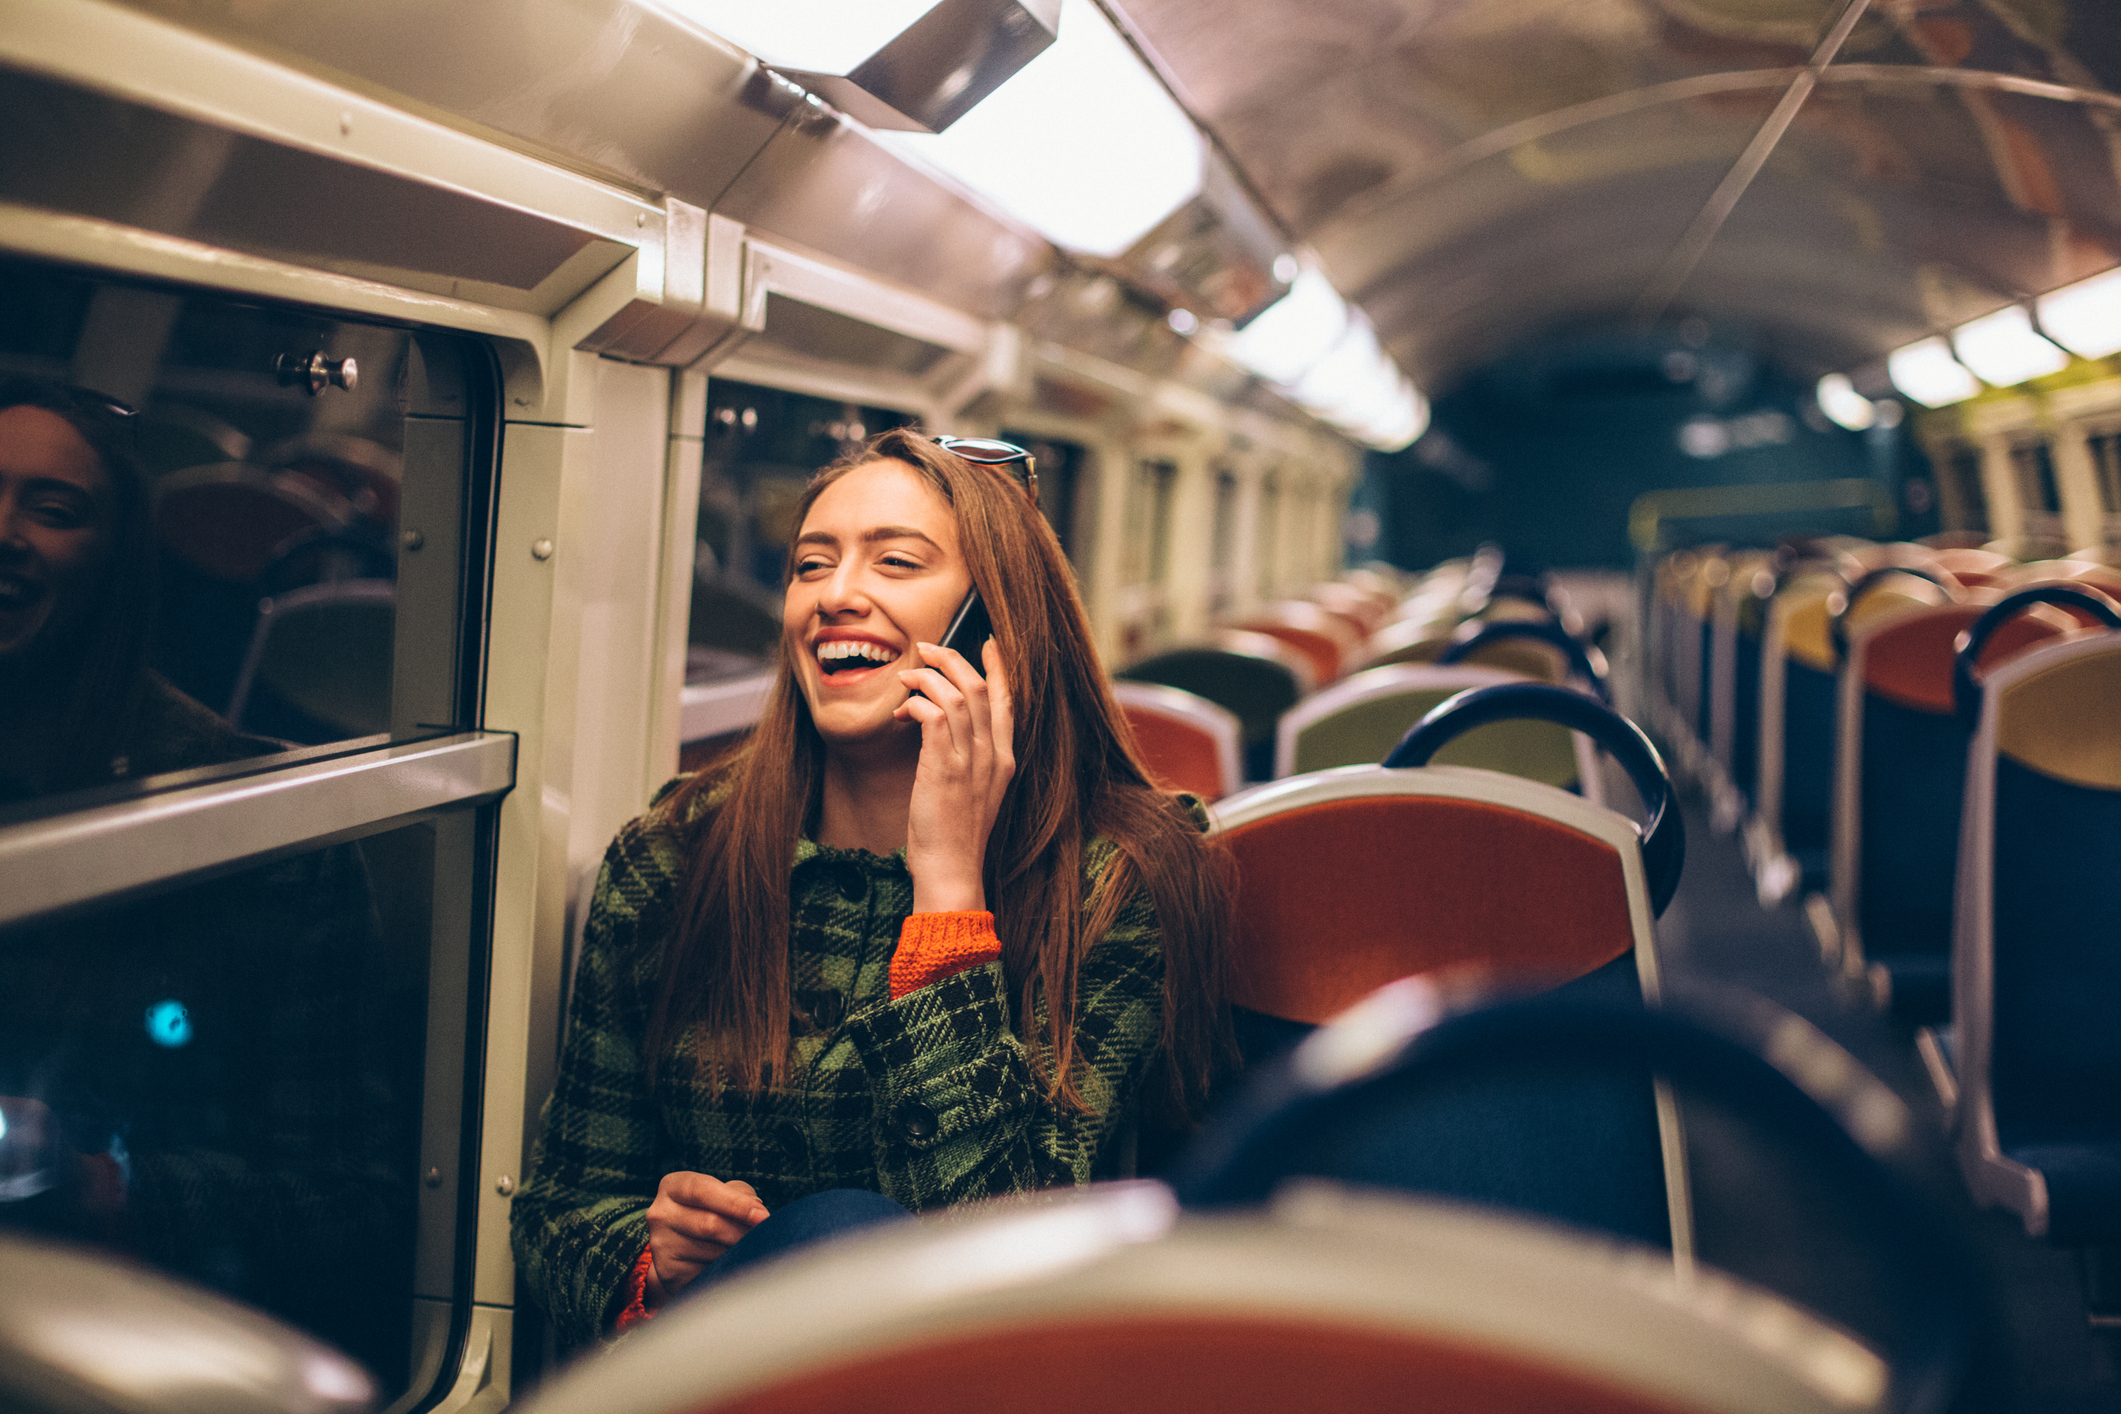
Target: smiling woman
{"points": [[80, 704], [990, 957]]}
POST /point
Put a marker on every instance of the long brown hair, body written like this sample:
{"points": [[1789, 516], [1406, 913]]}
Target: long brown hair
{"points": [[725, 968]]}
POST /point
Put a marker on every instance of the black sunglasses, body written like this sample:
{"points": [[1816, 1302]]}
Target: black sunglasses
{"points": [[992, 451]]}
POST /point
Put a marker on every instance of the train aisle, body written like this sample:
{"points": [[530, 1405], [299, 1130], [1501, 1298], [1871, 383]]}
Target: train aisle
{"points": [[1716, 932]]}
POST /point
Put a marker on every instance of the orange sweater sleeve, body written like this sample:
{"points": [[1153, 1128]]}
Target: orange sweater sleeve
{"points": [[637, 1308], [932, 946]]}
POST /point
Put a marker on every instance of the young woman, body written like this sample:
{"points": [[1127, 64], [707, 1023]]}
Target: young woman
{"points": [[932, 935]]}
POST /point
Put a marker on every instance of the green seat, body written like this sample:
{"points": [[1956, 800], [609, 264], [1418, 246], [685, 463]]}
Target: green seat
{"points": [[1249, 674], [1358, 722]]}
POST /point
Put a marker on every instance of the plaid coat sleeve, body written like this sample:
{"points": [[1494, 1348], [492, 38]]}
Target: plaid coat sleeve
{"points": [[960, 1111], [579, 1222]]}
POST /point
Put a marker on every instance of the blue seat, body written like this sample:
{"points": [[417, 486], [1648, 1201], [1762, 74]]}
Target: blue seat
{"points": [[1537, 1104], [2037, 943], [1899, 783]]}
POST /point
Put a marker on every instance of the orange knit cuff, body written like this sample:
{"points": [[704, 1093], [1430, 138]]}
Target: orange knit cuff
{"points": [[932, 946], [637, 1309]]}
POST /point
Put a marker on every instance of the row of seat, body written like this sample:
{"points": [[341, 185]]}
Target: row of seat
{"points": [[1938, 762], [1292, 688]]}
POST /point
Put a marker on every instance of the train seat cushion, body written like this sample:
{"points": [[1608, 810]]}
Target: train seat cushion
{"points": [[1910, 662], [1195, 1363], [2056, 893], [1257, 690], [2083, 1189], [1339, 898], [1179, 755]]}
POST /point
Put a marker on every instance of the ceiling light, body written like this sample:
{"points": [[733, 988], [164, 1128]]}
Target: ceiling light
{"points": [[1083, 144], [1839, 400], [826, 36], [2004, 349], [2085, 318], [1927, 372], [1295, 331]]}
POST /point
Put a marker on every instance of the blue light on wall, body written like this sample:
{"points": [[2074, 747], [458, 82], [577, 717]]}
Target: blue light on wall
{"points": [[169, 1024]]}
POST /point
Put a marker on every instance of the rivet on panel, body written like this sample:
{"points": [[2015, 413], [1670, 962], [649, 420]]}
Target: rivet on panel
{"points": [[504, 1185], [541, 549], [412, 539], [346, 123], [434, 1178]]}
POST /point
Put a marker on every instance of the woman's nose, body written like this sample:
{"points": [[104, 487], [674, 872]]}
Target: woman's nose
{"points": [[841, 592]]}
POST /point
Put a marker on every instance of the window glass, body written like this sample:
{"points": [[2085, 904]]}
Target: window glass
{"points": [[1149, 521], [1061, 488], [1965, 493], [2106, 458], [1268, 540], [763, 446], [227, 583], [224, 1080]]}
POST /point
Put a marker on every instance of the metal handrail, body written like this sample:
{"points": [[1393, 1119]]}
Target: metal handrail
{"points": [[80, 856]]}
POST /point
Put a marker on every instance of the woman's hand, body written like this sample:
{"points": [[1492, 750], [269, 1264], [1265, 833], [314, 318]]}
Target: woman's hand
{"points": [[967, 758], [693, 1220]]}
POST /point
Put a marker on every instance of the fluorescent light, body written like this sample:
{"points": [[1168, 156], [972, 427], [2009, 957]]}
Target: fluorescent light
{"points": [[2004, 349], [823, 36], [1083, 144], [1927, 372], [2085, 318], [1839, 400], [1295, 331]]}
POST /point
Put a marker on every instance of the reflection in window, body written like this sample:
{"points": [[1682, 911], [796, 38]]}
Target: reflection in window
{"points": [[234, 586], [225, 1081], [763, 446]]}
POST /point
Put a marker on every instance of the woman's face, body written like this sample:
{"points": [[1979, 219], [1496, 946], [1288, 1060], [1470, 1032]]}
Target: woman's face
{"points": [[54, 527], [876, 571]]}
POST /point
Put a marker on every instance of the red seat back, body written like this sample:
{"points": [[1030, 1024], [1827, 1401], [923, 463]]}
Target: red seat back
{"points": [[1337, 899], [1179, 755]]}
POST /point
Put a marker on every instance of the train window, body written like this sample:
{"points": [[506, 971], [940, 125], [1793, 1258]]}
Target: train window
{"points": [[260, 478], [1149, 521], [2106, 460], [1965, 493], [763, 445], [1266, 542], [1223, 545], [2034, 464], [225, 1080], [1062, 489]]}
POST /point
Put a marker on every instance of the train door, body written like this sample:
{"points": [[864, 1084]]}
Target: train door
{"points": [[247, 817]]}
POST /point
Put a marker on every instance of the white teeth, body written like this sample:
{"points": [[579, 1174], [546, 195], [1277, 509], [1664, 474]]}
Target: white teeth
{"points": [[843, 648]]}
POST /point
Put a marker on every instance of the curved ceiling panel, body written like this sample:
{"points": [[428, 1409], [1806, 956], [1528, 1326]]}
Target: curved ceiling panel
{"points": [[1479, 174]]}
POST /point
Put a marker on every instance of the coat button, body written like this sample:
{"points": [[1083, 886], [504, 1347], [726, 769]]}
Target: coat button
{"points": [[916, 1120], [826, 1009]]}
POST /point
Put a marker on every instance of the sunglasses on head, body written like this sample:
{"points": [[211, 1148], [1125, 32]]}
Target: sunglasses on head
{"points": [[992, 451]]}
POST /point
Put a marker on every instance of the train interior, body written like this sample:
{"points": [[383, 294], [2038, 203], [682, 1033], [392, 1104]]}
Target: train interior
{"points": [[1616, 508]]}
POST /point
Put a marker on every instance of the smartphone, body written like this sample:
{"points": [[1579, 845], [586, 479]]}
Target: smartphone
{"points": [[969, 630]]}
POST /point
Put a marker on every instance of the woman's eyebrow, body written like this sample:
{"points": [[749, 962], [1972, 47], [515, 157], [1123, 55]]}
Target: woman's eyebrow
{"points": [[895, 532]]}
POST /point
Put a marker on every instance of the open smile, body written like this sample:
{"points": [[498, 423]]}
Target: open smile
{"points": [[847, 658]]}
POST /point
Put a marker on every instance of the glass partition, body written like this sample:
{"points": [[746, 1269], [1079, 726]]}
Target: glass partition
{"points": [[224, 512], [1062, 491], [225, 1080], [763, 445]]}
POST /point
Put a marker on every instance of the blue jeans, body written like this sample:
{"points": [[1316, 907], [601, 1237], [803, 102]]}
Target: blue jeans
{"points": [[818, 1218]]}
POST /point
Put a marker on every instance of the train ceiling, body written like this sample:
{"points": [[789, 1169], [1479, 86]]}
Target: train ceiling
{"points": [[1838, 178]]}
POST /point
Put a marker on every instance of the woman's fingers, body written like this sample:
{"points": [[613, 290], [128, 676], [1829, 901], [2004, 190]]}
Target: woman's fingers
{"points": [[694, 1219], [1001, 707]]}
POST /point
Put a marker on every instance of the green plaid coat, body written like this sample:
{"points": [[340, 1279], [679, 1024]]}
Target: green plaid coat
{"points": [[930, 1099]]}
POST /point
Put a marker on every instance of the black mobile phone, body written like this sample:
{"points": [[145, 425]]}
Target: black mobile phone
{"points": [[969, 630]]}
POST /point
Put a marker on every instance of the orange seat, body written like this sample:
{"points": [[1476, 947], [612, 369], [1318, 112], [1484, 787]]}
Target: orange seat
{"points": [[1187, 742]]}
